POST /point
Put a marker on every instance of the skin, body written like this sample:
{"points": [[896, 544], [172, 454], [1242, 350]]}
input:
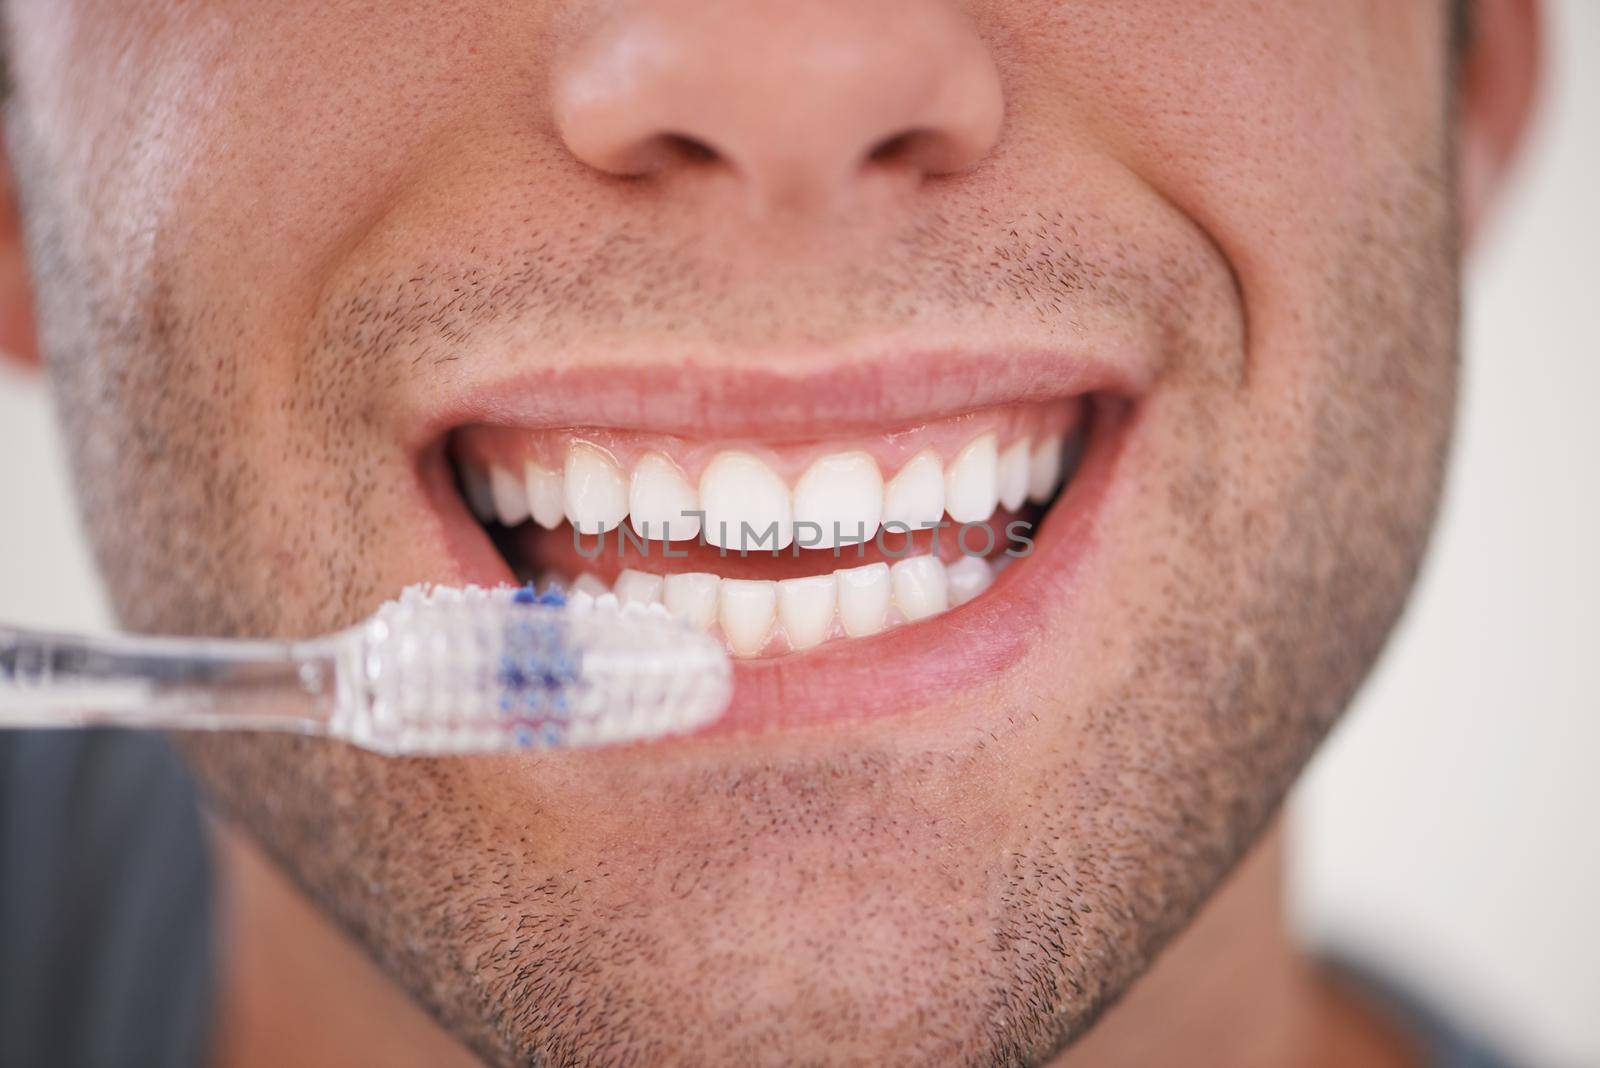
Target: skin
{"points": [[246, 239]]}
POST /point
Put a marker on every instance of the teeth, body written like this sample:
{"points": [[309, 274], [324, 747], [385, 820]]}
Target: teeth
{"points": [[480, 496], [638, 587], [1013, 476], [915, 496], [746, 611], [742, 505], [546, 501], [659, 500], [920, 587], [595, 494], [692, 597], [968, 577], [863, 599], [805, 607], [746, 505], [510, 499], [971, 482], [1044, 469], [843, 495], [589, 584]]}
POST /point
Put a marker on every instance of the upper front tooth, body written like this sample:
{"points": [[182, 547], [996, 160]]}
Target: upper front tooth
{"points": [[661, 503], [596, 495], [547, 502], [1044, 469], [971, 482], [1013, 475], [746, 505], [805, 605], [747, 608], [842, 495], [915, 497], [920, 587], [510, 499]]}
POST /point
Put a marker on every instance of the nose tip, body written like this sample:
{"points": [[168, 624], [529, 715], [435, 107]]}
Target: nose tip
{"points": [[800, 101]]}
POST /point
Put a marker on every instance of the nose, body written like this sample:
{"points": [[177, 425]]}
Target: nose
{"points": [[803, 101]]}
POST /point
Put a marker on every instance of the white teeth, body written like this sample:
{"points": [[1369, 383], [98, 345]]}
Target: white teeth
{"points": [[915, 496], [805, 606], [692, 597], [661, 502], [746, 611], [920, 587], [480, 495], [1044, 469], [842, 495], [971, 482], [589, 584], [1013, 476], [510, 499], [968, 577], [638, 587], [863, 599], [546, 501], [596, 496], [746, 505]]}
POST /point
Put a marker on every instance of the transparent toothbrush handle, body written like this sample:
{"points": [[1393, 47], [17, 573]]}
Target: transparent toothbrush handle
{"points": [[57, 680]]}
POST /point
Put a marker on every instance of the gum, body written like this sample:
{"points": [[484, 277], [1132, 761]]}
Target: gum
{"points": [[512, 448]]}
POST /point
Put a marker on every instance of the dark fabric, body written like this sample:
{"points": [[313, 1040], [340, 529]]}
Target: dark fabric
{"points": [[106, 952], [105, 903], [1442, 1042]]}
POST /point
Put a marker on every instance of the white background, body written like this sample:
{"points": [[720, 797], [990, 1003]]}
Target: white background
{"points": [[1447, 832]]}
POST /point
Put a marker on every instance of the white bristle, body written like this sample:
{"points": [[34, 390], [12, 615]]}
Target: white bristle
{"points": [[443, 669]]}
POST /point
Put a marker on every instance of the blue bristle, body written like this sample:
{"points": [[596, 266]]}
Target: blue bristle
{"points": [[537, 667]]}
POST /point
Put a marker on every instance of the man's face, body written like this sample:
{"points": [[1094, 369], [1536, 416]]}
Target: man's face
{"points": [[305, 270]]}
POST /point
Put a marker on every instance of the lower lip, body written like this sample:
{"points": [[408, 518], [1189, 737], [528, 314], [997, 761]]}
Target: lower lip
{"points": [[908, 667]]}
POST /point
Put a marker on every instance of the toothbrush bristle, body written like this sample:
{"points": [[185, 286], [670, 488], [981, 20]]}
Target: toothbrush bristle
{"points": [[445, 670]]}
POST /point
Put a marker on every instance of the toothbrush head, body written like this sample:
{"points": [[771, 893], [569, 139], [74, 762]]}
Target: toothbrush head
{"points": [[445, 671]]}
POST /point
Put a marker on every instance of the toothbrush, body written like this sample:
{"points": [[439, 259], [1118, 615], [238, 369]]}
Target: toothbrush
{"points": [[433, 673]]}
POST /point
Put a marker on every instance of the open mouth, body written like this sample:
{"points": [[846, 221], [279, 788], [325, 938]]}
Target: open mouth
{"points": [[779, 548]]}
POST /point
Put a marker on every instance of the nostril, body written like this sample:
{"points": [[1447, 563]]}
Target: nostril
{"points": [[893, 149], [928, 150], [688, 149]]}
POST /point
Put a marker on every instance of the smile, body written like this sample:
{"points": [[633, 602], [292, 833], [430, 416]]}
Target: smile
{"points": [[777, 549], [824, 561]]}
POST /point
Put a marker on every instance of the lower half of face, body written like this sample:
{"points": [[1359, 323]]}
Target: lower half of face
{"points": [[1098, 473]]}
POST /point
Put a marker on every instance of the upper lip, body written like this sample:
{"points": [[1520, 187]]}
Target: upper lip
{"points": [[779, 396]]}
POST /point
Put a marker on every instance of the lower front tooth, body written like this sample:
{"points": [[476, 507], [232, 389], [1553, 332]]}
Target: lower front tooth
{"points": [[638, 587], [589, 584], [746, 612], [920, 587], [806, 606], [863, 599], [692, 597], [968, 577]]}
